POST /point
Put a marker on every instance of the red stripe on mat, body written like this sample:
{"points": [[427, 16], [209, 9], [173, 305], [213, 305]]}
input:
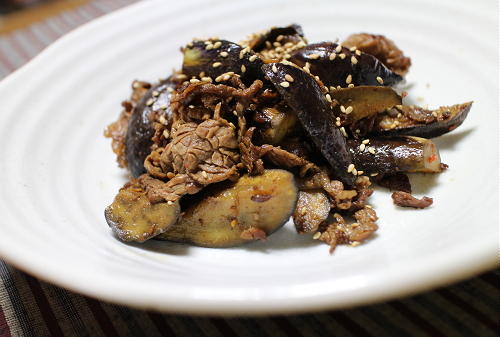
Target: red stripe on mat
{"points": [[448, 295], [44, 306], [102, 318], [416, 319], [4, 327], [162, 325]]}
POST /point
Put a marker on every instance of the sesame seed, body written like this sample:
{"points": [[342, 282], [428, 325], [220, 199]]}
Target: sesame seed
{"points": [[269, 45], [216, 64], [170, 89], [223, 54], [370, 206], [339, 48], [328, 98], [150, 102], [156, 94], [343, 132], [136, 85], [274, 69], [285, 84], [348, 80], [366, 141], [217, 44], [360, 172], [181, 76], [374, 174], [163, 106], [380, 80], [226, 77], [354, 225], [288, 78], [349, 109], [332, 56], [252, 58], [371, 149], [342, 56], [332, 88], [339, 87], [350, 85], [350, 168], [353, 48], [316, 235], [166, 134], [276, 44], [354, 60], [204, 174], [316, 78], [243, 52], [243, 68], [279, 38], [234, 222], [434, 113], [170, 202], [342, 109], [337, 123], [358, 52], [206, 79], [191, 106], [163, 121], [355, 243], [362, 147], [194, 80], [235, 113], [313, 56], [354, 172], [209, 46], [358, 131]]}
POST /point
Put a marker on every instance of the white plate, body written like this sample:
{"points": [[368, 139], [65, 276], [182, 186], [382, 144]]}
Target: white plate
{"points": [[58, 172]]}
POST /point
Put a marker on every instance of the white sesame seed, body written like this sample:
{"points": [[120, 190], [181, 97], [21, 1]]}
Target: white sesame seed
{"points": [[342, 56], [274, 69], [316, 235], [350, 85], [348, 80], [362, 147], [226, 77], [288, 78], [170, 202], [354, 172], [358, 131], [279, 38], [150, 102], [313, 56], [337, 123], [328, 98], [349, 109], [332, 88], [206, 79], [365, 141], [194, 80], [353, 48], [343, 131], [217, 44], [316, 78], [252, 58], [166, 134], [209, 46], [354, 225], [339, 87], [339, 48], [369, 206], [223, 54], [243, 52], [354, 243], [350, 168], [332, 56], [285, 84], [354, 60], [358, 52], [374, 174], [156, 94], [170, 89], [371, 149], [163, 106], [216, 64], [276, 44], [243, 68], [380, 80]]}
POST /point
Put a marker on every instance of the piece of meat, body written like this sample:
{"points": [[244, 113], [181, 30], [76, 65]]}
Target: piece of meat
{"points": [[405, 199], [253, 233], [251, 154], [159, 191], [395, 182], [382, 48], [364, 226]]}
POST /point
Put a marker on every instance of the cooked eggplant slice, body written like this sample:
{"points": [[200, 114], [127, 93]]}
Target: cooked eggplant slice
{"points": [[134, 218], [154, 104], [252, 208], [412, 120], [338, 66], [301, 92], [286, 34], [274, 124], [312, 209], [215, 59], [395, 154], [363, 101]]}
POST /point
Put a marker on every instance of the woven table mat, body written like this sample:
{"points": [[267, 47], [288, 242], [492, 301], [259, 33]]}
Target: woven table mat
{"points": [[29, 307]]}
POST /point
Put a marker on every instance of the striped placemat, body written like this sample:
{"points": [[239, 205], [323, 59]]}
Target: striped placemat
{"points": [[29, 307]]}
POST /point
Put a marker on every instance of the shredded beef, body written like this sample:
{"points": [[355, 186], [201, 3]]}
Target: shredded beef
{"points": [[159, 191], [405, 199], [251, 154], [253, 233], [382, 48]]}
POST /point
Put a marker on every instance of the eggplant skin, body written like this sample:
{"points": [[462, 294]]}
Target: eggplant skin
{"points": [[335, 72], [314, 113], [388, 155], [132, 217], [271, 35], [140, 129], [229, 56], [222, 217], [457, 113]]}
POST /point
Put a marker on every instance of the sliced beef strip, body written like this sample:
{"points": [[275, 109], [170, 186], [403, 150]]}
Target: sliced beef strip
{"points": [[405, 199], [382, 48]]}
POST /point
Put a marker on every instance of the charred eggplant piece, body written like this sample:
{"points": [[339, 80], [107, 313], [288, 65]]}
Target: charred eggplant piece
{"points": [[132, 217], [364, 101], [343, 67], [312, 209], [215, 59], [253, 208], [411, 120], [293, 32], [315, 114], [154, 104], [274, 125], [395, 154]]}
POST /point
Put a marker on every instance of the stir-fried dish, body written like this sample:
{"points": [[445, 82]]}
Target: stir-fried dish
{"points": [[249, 134]]}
